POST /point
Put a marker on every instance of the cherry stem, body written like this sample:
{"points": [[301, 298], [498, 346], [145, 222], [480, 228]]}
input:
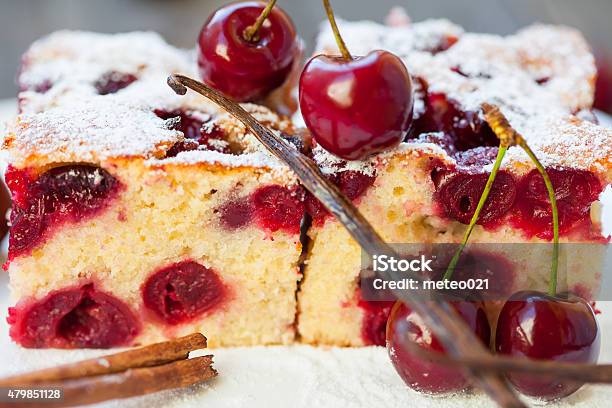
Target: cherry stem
{"points": [[332, 21], [552, 284], [483, 199], [250, 33], [507, 135]]}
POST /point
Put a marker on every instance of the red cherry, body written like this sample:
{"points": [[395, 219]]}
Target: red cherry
{"points": [[112, 82], [417, 372], [352, 184], [357, 107], [246, 70], [278, 208], [82, 317], [575, 191], [459, 194], [543, 327], [67, 193], [182, 291]]}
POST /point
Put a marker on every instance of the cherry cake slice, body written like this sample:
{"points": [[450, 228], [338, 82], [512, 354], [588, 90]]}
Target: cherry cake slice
{"points": [[426, 190], [139, 215]]}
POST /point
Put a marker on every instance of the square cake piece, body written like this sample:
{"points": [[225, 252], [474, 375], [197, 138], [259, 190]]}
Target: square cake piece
{"points": [[426, 190], [140, 215]]}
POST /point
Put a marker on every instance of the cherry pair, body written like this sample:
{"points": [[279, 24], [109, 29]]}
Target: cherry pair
{"points": [[530, 325], [353, 107]]}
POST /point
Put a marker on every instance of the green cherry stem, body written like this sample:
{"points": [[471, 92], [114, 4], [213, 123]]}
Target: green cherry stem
{"points": [[552, 284], [483, 199], [250, 33], [506, 134], [332, 21]]}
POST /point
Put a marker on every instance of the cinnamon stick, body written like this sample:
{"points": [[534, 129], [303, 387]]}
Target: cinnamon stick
{"points": [[454, 334], [130, 383], [148, 356]]}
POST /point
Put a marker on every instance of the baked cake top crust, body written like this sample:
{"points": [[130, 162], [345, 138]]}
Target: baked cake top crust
{"points": [[69, 64], [68, 115], [542, 78]]}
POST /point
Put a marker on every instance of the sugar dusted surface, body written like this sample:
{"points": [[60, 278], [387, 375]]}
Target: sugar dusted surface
{"points": [[504, 71], [91, 132], [70, 122]]}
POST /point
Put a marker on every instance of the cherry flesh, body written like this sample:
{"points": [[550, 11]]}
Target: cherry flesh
{"points": [[272, 208], [575, 191], [359, 107], [195, 128], [417, 372], [241, 69], [352, 184], [542, 327], [67, 193], [459, 193], [278, 208], [81, 317], [374, 323], [183, 291], [112, 82]]}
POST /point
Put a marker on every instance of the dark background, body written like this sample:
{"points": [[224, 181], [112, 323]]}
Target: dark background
{"points": [[22, 21]]}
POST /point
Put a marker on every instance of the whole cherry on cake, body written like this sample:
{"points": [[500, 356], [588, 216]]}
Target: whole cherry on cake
{"points": [[544, 327], [419, 373], [355, 107], [247, 49]]}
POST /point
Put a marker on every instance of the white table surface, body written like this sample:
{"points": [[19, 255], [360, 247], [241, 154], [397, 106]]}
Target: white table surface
{"points": [[296, 376]]}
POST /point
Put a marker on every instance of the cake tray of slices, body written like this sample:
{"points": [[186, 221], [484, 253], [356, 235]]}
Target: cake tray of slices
{"points": [[142, 217]]}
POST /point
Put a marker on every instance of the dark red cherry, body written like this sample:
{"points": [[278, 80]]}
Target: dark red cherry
{"points": [[112, 82], [196, 128], [67, 193], [74, 318], [236, 213], [419, 373], [459, 194], [374, 321], [183, 291], [278, 208], [246, 70], [575, 191], [359, 107], [542, 327], [352, 184]]}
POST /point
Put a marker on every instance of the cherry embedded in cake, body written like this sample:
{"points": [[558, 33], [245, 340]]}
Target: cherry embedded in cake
{"points": [[197, 129], [182, 292], [459, 194], [61, 194], [130, 200], [80, 317], [575, 190], [112, 82]]}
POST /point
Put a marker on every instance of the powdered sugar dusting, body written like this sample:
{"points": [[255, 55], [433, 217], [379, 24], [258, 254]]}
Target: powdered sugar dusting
{"points": [[72, 61], [539, 78], [70, 121], [91, 132]]}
